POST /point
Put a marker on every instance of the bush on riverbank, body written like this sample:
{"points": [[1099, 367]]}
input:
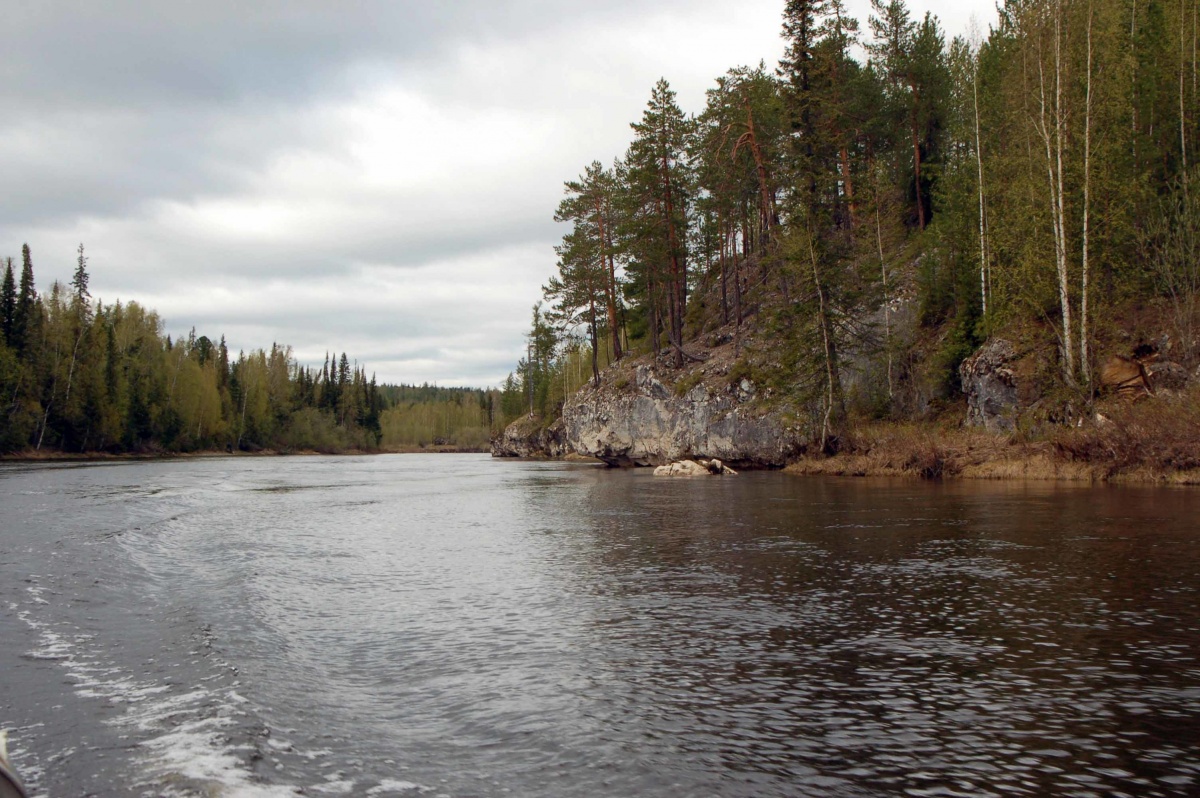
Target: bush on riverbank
{"points": [[1161, 434]]}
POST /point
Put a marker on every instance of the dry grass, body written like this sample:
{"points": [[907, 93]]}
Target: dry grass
{"points": [[1159, 436], [1157, 440], [933, 451]]}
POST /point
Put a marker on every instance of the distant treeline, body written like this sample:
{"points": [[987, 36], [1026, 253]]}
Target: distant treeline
{"points": [[77, 375]]}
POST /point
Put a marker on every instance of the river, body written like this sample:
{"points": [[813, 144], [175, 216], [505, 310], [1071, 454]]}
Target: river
{"points": [[452, 625]]}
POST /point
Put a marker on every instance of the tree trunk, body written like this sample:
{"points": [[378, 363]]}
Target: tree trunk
{"points": [[847, 183], [916, 142], [1059, 134], [887, 311], [1052, 139], [676, 298], [1087, 160], [765, 195], [833, 391], [595, 344], [983, 275], [610, 280], [1182, 108], [724, 272]]}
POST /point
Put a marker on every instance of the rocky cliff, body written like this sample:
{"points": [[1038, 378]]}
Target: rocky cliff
{"points": [[644, 422], [526, 437]]}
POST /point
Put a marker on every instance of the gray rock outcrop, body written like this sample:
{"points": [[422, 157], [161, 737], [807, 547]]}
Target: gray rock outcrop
{"points": [[991, 386], [1167, 375], [526, 437], [647, 423]]}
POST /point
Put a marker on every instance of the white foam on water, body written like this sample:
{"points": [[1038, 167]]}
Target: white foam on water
{"points": [[335, 786], [186, 731], [394, 785]]}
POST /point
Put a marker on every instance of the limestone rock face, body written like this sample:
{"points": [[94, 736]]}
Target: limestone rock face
{"points": [[526, 437], [647, 423], [991, 386]]}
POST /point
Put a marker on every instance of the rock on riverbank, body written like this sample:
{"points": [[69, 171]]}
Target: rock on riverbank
{"points": [[526, 437], [642, 422]]}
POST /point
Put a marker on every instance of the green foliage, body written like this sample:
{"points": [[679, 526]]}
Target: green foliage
{"points": [[461, 422]]}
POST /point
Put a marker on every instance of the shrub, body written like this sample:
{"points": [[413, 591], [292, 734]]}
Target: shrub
{"points": [[1160, 432]]}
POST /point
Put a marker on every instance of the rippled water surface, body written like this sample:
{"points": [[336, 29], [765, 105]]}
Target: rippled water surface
{"points": [[452, 625]]}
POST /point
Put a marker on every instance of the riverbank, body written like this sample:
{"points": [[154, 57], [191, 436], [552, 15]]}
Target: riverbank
{"points": [[51, 455], [1154, 443]]}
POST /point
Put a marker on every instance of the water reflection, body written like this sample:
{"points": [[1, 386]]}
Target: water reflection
{"points": [[808, 636]]}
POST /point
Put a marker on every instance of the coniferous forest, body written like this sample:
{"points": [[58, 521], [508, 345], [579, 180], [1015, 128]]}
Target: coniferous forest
{"points": [[1036, 180]]}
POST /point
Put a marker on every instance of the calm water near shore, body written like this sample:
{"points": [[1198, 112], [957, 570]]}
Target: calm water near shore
{"points": [[454, 625]]}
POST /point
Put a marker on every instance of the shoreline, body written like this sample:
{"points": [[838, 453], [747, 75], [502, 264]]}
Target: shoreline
{"points": [[1039, 468], [54, 456], [935, 452], [982, 456]]}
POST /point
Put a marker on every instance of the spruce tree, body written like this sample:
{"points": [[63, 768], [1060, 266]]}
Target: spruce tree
{"points": [[79, 282], [8, 303], [25, 312], [222, 364]]}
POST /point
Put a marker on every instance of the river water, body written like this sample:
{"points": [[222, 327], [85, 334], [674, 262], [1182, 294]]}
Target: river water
{"points": [[451, 625]]}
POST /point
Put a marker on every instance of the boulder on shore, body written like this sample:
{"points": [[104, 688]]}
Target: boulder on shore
{"points": [[694, 468], [990, 384]]}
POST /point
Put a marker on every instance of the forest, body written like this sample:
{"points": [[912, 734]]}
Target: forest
{"points": [[1036, 180], [79, 376]]}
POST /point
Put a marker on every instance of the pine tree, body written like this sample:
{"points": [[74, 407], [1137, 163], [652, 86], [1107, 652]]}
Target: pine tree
{"points": [[578, 288], [589, 207], [657, 188]]}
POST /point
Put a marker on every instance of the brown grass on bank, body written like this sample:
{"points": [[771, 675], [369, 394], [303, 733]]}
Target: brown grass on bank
{"points": [[940, 451], [1160, 435], [1156, 440]]}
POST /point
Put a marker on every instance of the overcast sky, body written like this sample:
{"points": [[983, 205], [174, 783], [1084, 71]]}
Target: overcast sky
{"points": [[377, 178]]}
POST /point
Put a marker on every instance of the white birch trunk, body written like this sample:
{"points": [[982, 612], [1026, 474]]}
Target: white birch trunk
{"points": [[1053, 145], [1064, 296], [1087, 175], [1182, 106], [887, 310], [983, 276]]}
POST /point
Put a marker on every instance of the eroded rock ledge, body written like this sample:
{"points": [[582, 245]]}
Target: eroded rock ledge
{"points": [[526, 437], [645, 423]]}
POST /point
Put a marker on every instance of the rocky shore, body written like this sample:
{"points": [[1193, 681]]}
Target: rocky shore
{"points": [[639, 416], [643, 422]]}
